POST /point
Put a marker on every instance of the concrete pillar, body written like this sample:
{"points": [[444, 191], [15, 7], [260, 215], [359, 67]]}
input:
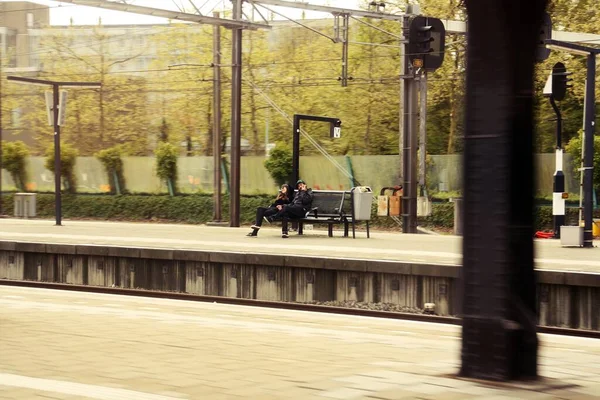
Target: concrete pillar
{"points": [[274, 283], [72, 269], [12, 265], [102, 271], [355, 286], [201, 278], [238, 281]]}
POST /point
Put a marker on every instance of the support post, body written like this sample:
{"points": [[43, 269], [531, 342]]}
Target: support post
{"points": [[422, 129], [57, 163], [345, 44], [499, 340], [403, 95], [296, 150], [588, 158], [409, 135], [409, 198], [236, 116], [1, 137], [558, 187], [216, 121]]}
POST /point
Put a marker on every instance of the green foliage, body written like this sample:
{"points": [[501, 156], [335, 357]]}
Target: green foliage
{"points": [[166, 163], [198, 208], [14, 155], [114, 114], [574, 148], [306, 83], [68, 158], [113, 164], [279, 163]]}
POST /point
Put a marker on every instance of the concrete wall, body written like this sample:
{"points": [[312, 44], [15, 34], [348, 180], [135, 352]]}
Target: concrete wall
{"points": [[564, 299]]}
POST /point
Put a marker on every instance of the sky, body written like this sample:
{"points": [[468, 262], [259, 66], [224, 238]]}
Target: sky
{"points": [[64, 13]]}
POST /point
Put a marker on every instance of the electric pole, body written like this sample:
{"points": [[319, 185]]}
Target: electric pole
{"points": [[424, 49], [236, 112], [216, 121]]}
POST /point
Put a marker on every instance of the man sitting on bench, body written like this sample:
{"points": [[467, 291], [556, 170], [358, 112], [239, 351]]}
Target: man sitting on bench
{"points": [[296, 209]]}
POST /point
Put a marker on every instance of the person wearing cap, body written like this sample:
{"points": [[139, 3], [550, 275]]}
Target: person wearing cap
{"points": [[283, 197], [296, 209]]}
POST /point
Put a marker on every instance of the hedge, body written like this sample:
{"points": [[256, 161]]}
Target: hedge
{"points": [[198, 208]]}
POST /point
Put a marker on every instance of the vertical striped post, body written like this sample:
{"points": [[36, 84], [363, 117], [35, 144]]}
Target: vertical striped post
{"points": [[558, 202]]}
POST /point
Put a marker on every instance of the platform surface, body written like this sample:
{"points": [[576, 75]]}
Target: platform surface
{"points": [[414, 248], [70, 345]]}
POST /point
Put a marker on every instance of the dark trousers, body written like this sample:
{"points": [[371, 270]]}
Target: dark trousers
{"points": [[264, 212], [289, 212]]}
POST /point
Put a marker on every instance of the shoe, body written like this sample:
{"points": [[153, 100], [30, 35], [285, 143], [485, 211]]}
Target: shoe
{"points": [[284, 235], [253, 233], [255, 227]]}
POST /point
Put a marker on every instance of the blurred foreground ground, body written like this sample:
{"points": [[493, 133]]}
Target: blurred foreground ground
{"points": [[68, 345]]}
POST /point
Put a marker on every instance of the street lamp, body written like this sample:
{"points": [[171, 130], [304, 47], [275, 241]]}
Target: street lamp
{"points": [[55, 108]]}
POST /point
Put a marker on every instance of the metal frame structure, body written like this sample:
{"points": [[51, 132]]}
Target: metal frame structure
{"points": [[57, 163], [296, 139], [589, 127], [157, 12]]}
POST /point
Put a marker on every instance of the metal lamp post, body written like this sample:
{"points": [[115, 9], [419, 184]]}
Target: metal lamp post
{"points": [[55, 106]]}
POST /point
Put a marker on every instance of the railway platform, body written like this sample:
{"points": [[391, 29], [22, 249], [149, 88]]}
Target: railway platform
{"points": [[70, 345], [413, 248]]}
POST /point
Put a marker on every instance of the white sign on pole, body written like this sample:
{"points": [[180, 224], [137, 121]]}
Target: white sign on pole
{"points": [[62, 107], [337, 132], [49, 107]]}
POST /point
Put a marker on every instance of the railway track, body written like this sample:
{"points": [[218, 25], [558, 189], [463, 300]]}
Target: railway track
{"points": [[280, 305]]}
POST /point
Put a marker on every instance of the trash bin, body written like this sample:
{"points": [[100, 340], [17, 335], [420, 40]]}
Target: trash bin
{"points": [[363, 199], [25, 205], [389, 206]]}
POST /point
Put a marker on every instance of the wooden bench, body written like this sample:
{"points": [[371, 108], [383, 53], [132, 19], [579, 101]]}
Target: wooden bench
{"points": [[331, 207]]}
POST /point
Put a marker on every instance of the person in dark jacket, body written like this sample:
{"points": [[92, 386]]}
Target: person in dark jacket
{"points": [[296, 209], [283, 197]]}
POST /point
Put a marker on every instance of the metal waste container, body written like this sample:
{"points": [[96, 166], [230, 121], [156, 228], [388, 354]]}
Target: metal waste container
{"points": [[363, 199], [25, 205]]}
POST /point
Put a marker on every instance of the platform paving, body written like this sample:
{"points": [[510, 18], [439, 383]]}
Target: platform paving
{"points": [[70, 345], [414, 248]]}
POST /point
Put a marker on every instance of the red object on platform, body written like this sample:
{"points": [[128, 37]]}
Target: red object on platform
{"points": [[544, 235]]}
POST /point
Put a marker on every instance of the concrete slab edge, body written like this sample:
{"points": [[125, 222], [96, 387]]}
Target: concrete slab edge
{"points": [[298, 261]]}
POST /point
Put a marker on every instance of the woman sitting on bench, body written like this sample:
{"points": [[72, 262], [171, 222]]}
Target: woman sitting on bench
{"points": [[283, 197], [296, 209]]}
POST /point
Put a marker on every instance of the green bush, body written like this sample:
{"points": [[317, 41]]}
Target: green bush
{"points": [[279, 164], [113, 164], [198, 209], [14, 155], [68, 158], [166, 165]]}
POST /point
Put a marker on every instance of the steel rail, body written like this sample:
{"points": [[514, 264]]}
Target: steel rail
{"points": [[553, 330]]}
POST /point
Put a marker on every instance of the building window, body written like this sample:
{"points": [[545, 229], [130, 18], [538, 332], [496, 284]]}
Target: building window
{"points": [[30, 20]]}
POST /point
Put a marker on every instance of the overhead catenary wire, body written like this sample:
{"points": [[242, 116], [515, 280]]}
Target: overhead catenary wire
{"points": [[302, 131]]}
